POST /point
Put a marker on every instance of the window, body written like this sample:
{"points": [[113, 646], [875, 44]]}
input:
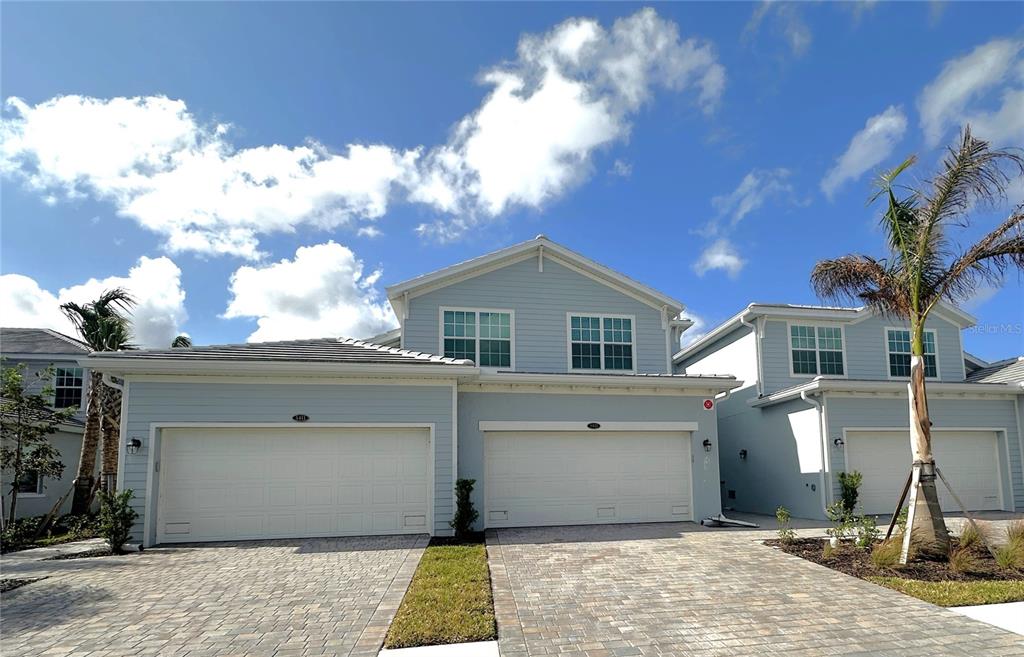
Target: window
{"points": [[67, 386], [484, 337], [898, 346], [816, 350], [30, 483], [600, 343]]}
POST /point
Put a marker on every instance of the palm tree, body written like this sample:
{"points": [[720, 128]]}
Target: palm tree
{"points": [[181, 342], [925, 267], [104, 326]]}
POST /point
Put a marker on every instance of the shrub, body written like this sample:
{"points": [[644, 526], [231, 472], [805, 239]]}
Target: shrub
{"points": [[465, 514], [970, 536], [963, 560], [1010, 556], [886, 554], [827, 551], [842, 521], [867, 531], [18, 533], [901, 519], [849, 484], [1015, 531], [116, 518], [81, 526], [786, 532]]}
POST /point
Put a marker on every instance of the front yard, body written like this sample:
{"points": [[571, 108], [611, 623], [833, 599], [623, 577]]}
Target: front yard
{"points": [[449, 599]]}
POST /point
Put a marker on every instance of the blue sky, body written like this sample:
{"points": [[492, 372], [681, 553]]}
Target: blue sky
{"points": [[262, 171]]}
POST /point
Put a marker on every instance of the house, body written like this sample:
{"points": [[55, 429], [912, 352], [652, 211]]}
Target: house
{"points": [[825, 391], [541, 374], [38, 349]]}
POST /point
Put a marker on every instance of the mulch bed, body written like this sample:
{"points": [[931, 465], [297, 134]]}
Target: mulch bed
{"points": [[857, 562], [99, 552], [9, 584]]}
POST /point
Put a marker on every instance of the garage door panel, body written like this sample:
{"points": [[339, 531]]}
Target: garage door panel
{"points": [[968, 459], [534, 478], [284, 483]]}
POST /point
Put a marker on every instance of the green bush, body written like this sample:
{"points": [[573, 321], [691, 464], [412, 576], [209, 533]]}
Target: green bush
{"points": [[116, 518], [81, 526], [867, 531], [465, 514], [901, 519], [1010, 556], [1015, 531], [19, 532], [786, 532], [842, 521], [849, 484]]}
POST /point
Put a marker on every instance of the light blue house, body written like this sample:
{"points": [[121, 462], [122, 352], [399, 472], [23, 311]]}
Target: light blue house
{"points": [[825, 391], [541, 374]]}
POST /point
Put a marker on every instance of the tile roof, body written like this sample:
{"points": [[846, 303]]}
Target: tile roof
{"points": [[321, 350], [1010, 370], [39, 341]]}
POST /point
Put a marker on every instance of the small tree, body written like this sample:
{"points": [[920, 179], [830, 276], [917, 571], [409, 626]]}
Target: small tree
{"points": [[849, 484], [465, 514], [26, 422], [116, 518]]}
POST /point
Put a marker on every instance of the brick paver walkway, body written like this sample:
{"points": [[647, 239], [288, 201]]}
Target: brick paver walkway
{"points": [[675, 589], [263, 598]]}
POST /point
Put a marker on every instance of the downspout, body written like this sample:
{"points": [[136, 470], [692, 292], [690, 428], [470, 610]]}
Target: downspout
{"points": [[757, 350], [821, 443]]}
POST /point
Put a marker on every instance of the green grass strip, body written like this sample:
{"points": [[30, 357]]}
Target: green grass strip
{"points": [[956, 593]]}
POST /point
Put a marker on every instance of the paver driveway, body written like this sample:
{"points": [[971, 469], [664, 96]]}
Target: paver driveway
{"points": [[274, 598], [677, 589]]}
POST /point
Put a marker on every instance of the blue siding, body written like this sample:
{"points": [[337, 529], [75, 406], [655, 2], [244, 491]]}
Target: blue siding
{"points": [[865, 351], [540, 301], [477, 406], [945, 412], [150, 402]]}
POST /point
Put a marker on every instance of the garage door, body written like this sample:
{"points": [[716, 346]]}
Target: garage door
{"points": [[232, 484], [968, 459], [574, 478]]}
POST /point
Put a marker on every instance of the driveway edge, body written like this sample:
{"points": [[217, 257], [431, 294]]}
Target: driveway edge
{"points": [[506, 614], [371, 639]]}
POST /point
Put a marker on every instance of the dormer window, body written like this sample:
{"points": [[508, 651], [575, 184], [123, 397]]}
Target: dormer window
{"points": [[482, 336], [897, 343], [601, 342], [816, 350]]}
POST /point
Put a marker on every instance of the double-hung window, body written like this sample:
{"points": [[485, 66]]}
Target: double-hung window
{"points": [[67, 387], [482, 336], [816, 350], [30, 483], [598, 342], [898, 347]]}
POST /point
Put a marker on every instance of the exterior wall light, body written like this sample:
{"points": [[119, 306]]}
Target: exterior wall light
{"points": [[134, 445], [707, 445], [743, 455], [839, 442]]}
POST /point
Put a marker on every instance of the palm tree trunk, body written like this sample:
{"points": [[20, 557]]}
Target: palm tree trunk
{"points": [[90, 444], [928, 533], [111, 436]]}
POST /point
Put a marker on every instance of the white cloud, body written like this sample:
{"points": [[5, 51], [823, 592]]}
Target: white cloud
{"points": [[994, 70], [868, 148], [720, 254], [569, 92], [695, 332], [322, 292], [786, 20], [370, 232], [621, 168], [155, 283], [757, 187]]}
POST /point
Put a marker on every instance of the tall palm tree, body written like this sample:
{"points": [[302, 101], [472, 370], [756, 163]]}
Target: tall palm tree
{"points": [[103, 325], [926, 266], [181, 342]]}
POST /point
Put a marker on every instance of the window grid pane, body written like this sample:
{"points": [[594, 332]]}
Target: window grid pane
{"points": [[804, 362], [618, 330], [459, 324], [495, 353], [618, 357], [831, 362], [460, 348], [586, 356], [67, 387], [900, 352], [802, 337]]}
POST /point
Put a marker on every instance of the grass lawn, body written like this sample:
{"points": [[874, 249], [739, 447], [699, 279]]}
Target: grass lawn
{"points": [[448, 601], [957, 594]]}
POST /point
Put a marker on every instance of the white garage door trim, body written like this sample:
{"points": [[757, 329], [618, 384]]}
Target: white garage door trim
{"points": [[1002, 457], [683, 430], [155, 447]]}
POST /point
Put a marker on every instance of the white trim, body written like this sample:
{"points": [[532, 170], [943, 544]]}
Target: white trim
{"points": [[455, 439], [156, 428], [290, 380], [122, 441], [487, 426], [817, 349], [963, 363], [121, 366], [827, 447], [512, 332], [1020, 441], [1002, 463], [555, 389], [888, 388], [888, 369], [625, 380], [601, 317]]}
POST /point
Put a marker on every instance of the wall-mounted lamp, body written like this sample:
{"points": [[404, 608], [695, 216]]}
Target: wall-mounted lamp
{"points": [[838, 442], [134, 445], [707, 445], [743, 455]]}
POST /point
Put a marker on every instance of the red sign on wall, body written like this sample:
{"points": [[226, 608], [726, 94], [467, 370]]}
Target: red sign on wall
{"points": [[709, 404]]}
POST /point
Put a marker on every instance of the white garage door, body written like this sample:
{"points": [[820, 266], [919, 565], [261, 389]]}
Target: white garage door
{"points": [[574, 478], [968, 459], [232, 484]]}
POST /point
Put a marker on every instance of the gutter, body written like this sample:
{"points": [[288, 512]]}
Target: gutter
{"points": [[121, 366], [843, 385], [821, 443], [757, 346], [717, 383]]}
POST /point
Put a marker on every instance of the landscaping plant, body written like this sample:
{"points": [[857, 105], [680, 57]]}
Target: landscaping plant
{"points": [[926, 266], [886, 554], [116, 518], [842, 521], [849, 484], [465, 514], [786, 532], [963, 560], [867, 531]]}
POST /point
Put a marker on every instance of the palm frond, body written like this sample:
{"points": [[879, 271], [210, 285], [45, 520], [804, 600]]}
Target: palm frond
{"points": [[860, 279], [987, 261]]}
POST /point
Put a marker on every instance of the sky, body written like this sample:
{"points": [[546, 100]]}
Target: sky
{"points": [[262, 171]]}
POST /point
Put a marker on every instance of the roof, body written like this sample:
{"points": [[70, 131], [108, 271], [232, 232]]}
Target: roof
{"points": [[319, 350], [39, 341], [543, 247], [841, 313], [825, 384], [974, 362], [68, 423], [1010, 370], [392, 338]]}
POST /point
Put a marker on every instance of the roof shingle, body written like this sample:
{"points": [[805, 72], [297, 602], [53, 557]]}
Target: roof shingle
{"points": [[39, 341]]}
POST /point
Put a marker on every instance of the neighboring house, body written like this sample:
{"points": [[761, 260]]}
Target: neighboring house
{"points": [[541, 374], [826, 392], [39, 349]]}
